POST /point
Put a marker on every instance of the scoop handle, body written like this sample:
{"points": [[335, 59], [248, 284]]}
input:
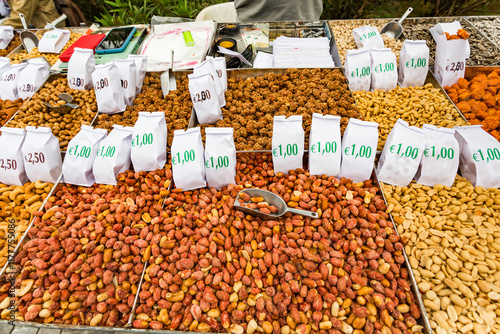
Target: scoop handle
{"points": [[303, 212], [405, 15], [23, 21]]}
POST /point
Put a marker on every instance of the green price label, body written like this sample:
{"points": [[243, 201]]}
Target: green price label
{"points": [[416, 63], [443, 153], [140, 141], [185, 157], [106, 152], [80, 151], [217, 162], [286, 151], [382, 68], [326, 147], [491, 154], [368, 35], [360, 151], [361, 72], [408, 152], [52, 36]]}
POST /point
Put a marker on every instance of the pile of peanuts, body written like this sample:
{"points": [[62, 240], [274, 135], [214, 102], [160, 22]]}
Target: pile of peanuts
{"points": [[454, 250], [14, 43], [416, 105], [17, 205], [8, 108], [177, 106], [85, 255], [64, 126], [342, 31], [216, 269]]}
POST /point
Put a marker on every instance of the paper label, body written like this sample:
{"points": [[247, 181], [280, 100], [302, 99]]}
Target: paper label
{"points": [[358, 69], [413, 63], [9, 80], [127, 70], [287, 143], [149, 141], [384, 69], [450, 60], [220, 157], [31, 78], [80, 68], [11, 159], [108, 89], [324, 145], [367, 36], [205, 99], [188, 161], [53, 41]]}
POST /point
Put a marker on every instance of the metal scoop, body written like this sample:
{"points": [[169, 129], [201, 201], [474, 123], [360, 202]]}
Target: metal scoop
{"points": [[273, 200], [395, 29], [65, 108], [28, 38]]}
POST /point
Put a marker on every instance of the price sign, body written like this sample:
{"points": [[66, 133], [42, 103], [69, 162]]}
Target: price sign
{"points": [[80, 68], [34, 158], [80, 151], [184, 157], [367, 36], [456, 66], [404, 151], [385, 67], [359, 151], [108, 90], [416, 63], [439, 153], [202, 96], [450, 60], [217, 162], [287, 143], [144, 140], [8, 164], [324, 145], [188, 160], [53, 41], [358, 69], [32, 77], [149, 141], [384, 73], [220, 157], [77, 82], [486, 155], [361, 72], [11, 159], [9, 81], [106, 152]]}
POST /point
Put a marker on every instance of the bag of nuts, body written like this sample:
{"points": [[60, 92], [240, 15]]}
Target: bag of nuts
{"points": [[11, 159], [359, 146], [479, 156], [188, 161], [220, 157], [42, 155], [208, 67], [441, 156], [127, 70], [324, 145], [32, 77], [9, 80], [80, 156], [413, 63], [141, 63], [384, 69], [358, 69], [401, 155], [108, 89], [367, 36], [80, 68], [204, 97], [287, 143], [113, 155], [149, 141]]}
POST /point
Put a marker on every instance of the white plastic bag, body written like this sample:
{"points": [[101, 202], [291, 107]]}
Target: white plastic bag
{"points": [[127, 70], [450, 60], [367, 36], [141, 63], [208, 67], [188, 161], [80, 156], [359, 146], [108, 89], [6, 35], [42, 155], [32, 77], [9, 80], [441, 156], [80, 68], [401, 155], [479, 156], [11, 159], [384, 69], [358, 69], [413, 63], [204, 97], [220, 157], [324, 145], [149, 141], [287, 143], [53, 41], [113, 155]]}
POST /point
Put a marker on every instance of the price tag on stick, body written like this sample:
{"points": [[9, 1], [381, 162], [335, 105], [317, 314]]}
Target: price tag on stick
{"points": [[479, 156], [287, 143], [188, 160], [149, 141], [11, 159], [359, 146], [324, 145], [80, 156], [220, 157], [401, 155], [413, 63], [42, 155], [358, 69], [80, 68]]}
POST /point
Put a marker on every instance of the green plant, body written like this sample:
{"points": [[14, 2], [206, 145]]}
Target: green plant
{"points": [[456, 7], [347, 9]]}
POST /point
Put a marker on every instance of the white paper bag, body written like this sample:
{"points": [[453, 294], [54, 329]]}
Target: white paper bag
{"points": [[204, 97], [441, 156], [80, 68], [221, 70], [358, 69], [42, 155], [53, 41], [450, 60], [9, 80], [149, 141], [384, 69], [80, 156], [324, 145], [108, 89], [4, 65], [401, 155], [413, 63], [479, 156], [127, 70], [188, 161], [208, 67], [449, 27], [359, 146], [6, 35], [141, 63], [113, 155], [367, 36], [220, 157], [287, 143], [32, 77], [11, 159]]}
